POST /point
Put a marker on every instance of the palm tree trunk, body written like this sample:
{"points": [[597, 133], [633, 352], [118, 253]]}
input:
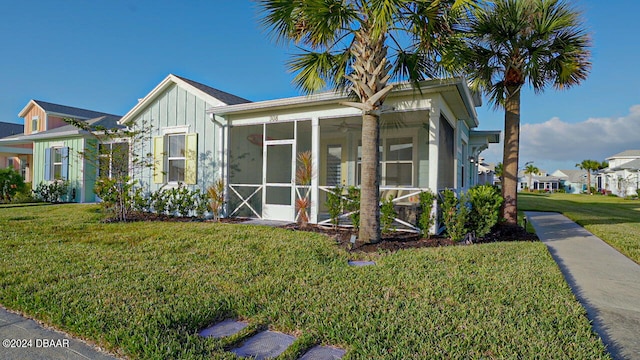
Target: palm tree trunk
{"points": [[510, 156], [370, 187]]}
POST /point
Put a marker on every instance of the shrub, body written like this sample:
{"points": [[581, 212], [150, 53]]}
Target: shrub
{"points": [[455, 214], [11, 183], [118, 196], [387, 215], [51, 192], [426, 220], [485, 208], [638, 192], [352, 205], [334, 204], [216, 198]]}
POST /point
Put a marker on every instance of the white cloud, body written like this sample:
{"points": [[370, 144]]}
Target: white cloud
{"points": [[555, 143]]}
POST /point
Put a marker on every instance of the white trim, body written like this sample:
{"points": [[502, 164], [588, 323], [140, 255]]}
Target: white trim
{"points": [[179, 129]]}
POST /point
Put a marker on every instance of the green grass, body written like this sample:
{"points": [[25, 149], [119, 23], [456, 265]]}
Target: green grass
{"points": [[143, 290], [613, 219]]}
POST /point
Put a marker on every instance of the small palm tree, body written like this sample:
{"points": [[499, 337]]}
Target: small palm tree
{"points": [[531, 170], [514, 42], [358, 47], [590, 166]]}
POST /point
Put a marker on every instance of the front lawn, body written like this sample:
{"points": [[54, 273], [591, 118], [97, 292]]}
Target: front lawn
{"points": [[613, 219], [144, 290]]}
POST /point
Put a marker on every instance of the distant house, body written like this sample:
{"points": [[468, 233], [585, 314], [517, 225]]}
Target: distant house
{"points": [[573, 181], [50, 149], [487, 173], [8, 155], [539, 182], [622, 177]]}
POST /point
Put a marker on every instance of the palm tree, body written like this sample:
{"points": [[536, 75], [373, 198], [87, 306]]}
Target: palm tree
{"points": [[358, 47], [514, 42], [589, 166], [531, 170], [499, 171]]}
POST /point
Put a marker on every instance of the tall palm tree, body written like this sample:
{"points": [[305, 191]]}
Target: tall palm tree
{"points": [[531, 170], [590, 166], [514, 42], [358, 46]]}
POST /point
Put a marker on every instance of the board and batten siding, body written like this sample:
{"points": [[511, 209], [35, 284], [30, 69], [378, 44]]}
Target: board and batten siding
{"points": [[176, 107], [81, 175]]}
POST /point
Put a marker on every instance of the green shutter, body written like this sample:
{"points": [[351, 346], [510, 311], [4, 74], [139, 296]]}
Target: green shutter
{"points": [[158, 159], [191, 159]]}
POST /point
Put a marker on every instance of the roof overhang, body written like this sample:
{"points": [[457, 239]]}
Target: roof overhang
{"points": [[454, 90]]}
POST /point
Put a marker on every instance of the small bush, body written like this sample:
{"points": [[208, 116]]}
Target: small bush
{"points": [[387, 215], [426, 220], [51, 192], [216, 198], [352, 205], [11, 183], [455, 214], [334, 204], [485, 209]]}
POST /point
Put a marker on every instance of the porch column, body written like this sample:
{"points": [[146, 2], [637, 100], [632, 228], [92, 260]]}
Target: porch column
{"points": [[434, 134], [315, 166]]}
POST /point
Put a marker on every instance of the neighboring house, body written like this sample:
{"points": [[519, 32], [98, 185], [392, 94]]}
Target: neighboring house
{"points": [[54, 147], [622, 177], [426, 142], [539, 182], [486, 173], [573, 181], [8, 155]]}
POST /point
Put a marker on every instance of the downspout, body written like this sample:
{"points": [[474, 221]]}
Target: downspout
{"points": [[223, 163]]}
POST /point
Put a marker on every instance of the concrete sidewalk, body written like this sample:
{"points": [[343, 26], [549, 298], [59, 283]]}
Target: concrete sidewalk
{"points": [[605, 282], [24, 338]]}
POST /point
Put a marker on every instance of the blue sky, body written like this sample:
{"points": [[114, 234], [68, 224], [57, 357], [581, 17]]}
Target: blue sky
{"points": [[104, 55]]}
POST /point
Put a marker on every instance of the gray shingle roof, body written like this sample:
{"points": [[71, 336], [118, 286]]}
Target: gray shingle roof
{"points": [[105, 122], [631, 165], [574, 176], [225, 97], [626, 153], [70, 110], [8, 129]]}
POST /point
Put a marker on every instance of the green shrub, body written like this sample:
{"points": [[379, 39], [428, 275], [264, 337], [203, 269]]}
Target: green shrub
{"points": [[334, 204], [51, 192], [455, 215], [387, 215], [352, 205], [11, 183], [426, 220], [485, 208]]}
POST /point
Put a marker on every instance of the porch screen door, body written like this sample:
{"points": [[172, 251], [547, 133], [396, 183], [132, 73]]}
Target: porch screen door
{"points": [[279, 180]]}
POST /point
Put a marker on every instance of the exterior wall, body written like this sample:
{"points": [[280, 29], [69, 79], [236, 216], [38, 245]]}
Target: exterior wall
{"points": [[54, 122], [42, 116], [178, 107], [80, 177]]}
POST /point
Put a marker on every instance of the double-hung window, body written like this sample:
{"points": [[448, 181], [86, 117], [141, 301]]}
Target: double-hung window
{"points": [[113, 159], [56, 163], [175, 158]]}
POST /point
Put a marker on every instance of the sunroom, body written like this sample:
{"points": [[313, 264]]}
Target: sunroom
{"points": [[424, 145]]}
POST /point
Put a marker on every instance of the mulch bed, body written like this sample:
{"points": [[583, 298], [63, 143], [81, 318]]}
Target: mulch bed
{"points": [[405, 240], [342, 236]]}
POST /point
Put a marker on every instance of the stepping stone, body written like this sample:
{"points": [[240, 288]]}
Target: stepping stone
{"points": [[223, 329], [359, 263], [264, 345], [323, 353]]}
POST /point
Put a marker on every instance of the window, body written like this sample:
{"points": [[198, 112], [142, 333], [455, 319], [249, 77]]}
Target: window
{"points": [[56, 163], [397, 162], [10, 162], [175, 158], [34, 124], [113, 159]]}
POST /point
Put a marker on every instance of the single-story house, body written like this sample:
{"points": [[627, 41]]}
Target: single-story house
{"points": [[622, 177], [539, 182], [572, 181]]}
